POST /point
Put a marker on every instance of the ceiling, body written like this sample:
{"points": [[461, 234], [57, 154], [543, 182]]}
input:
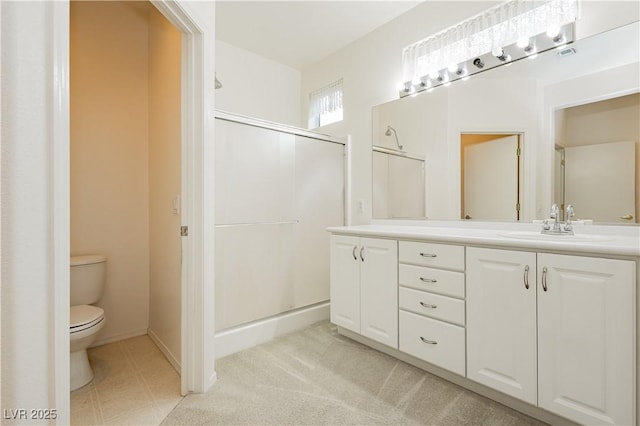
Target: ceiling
{"points": [[301, 33]]}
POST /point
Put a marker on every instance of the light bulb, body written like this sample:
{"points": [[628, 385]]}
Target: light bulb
{"points": [[433, 74], [400, 86], [523, 42], [416, 81], [497, 51], [453, 68], [553, 31]]}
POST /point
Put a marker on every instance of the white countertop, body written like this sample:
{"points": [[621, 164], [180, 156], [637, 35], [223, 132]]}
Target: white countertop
{"points": [[591, 239]]}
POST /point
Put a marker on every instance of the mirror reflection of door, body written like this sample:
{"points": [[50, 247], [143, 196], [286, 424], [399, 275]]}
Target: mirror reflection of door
{"points": [[491, 178], [593, 188]]}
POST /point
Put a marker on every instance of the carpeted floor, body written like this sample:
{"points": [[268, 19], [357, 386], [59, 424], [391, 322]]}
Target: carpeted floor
{"points": [[317, 377]]}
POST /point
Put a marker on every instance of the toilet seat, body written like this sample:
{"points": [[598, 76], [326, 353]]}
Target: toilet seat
{"points": [[83, 317]]}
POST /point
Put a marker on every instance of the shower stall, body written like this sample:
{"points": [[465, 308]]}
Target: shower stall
{"points": [[277, 189]]}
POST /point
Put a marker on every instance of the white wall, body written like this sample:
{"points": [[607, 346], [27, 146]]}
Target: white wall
{"points": [[109, 155], [28, 264], [164, 185], [257, 87], [371, 68]]}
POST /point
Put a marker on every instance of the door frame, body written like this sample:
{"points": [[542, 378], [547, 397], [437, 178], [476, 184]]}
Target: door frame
{"points": [[197, 304]]}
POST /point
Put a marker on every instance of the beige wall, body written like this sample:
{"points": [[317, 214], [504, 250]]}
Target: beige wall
{"points": [[164, 184], [109, 156]]}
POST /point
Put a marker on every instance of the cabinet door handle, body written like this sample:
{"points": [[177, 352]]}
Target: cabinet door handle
{"points": [[430, 342], [428, 280], [426, 305], [428, 255], [526, 277], [354, 253], [544, 278], [361, 256]]}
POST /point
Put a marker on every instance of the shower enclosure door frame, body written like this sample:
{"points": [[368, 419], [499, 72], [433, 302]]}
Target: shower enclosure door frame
{"points": [[194, 21]]}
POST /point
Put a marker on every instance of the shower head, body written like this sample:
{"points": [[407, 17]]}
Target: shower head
{"points": [[388, 133]]}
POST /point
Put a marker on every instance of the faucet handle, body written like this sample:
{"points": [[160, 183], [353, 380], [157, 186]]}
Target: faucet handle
{"points": [[554, 214], [570, 212], [545, 225]]}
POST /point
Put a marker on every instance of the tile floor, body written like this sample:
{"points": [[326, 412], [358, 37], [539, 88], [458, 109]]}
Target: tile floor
{"points": [[134, 384]]}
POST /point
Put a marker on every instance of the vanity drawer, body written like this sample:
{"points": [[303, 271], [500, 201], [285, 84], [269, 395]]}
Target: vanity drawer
{"points": [[435, 280], [433, 341], [432, 305], [434, 255]]}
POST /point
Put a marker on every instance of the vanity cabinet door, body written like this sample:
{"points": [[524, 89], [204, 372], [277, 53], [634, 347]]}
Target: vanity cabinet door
{"points": [[586, 338], [501, 321], [364, 287], [379, 290], [345, 282]]}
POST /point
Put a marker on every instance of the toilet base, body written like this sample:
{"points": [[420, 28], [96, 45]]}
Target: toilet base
{"points": [[81, 372]]}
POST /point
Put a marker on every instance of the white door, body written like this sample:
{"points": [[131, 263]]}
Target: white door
{"points": [[379, 290], [345, 282], [491, 179], [586, 338], [592, 187], [501, 321]]}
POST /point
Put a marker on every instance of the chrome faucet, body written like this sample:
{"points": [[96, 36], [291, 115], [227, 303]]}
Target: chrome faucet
{"points": [[558, 228], [555, 215]]}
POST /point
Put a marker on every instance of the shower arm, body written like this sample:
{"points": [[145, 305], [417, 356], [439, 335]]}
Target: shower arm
{"points": [[395, 134]]}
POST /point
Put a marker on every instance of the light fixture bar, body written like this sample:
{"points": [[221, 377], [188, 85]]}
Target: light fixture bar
{"points": [[513, 22], [505, 56]]}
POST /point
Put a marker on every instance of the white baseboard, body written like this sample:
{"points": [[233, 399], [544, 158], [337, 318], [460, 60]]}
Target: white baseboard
{"points": [[246, 336], [165, 350], [117, 337]]}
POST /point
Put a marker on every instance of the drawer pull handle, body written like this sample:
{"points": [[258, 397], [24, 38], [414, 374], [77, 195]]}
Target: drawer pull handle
{"points": [[428, 280], [426, 305], [429, 342], [428, 255], [354, 253], [361, 256], [544, 278], [526, 277]]}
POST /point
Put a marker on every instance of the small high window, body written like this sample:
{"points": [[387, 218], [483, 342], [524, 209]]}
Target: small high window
{"points": [[325, 105]]}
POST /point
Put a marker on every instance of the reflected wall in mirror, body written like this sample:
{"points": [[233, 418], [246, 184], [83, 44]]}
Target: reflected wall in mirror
{"points": [[491, 176], [398, 185], [524, 98], [597, 159]]}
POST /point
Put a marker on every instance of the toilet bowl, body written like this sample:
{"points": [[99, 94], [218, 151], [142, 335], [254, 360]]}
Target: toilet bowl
{"points": [[86, 320]]}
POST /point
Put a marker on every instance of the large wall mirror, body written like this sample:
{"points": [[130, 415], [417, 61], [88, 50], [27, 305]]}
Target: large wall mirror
{"points": [[572, 115]]}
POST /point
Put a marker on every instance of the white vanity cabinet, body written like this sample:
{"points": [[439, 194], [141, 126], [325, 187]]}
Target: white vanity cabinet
{"points": [[587, 338], [364, 287], [557, 326], [501, 321], [431, 303]]}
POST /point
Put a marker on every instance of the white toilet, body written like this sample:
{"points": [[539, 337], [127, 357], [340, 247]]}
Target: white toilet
{"points": [[87, 284]]}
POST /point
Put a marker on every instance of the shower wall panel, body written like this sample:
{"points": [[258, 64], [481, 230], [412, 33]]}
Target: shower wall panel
{"points": [[276, 192]]}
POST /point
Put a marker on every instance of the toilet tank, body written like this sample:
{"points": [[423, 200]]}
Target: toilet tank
{"points": [[87, 278]]}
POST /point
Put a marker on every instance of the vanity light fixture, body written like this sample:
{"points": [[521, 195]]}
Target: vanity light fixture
{"points": [[507, 32], [499, 53]]}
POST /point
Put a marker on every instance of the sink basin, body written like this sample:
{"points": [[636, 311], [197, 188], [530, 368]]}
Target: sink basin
{"points": [[536, 235]]}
